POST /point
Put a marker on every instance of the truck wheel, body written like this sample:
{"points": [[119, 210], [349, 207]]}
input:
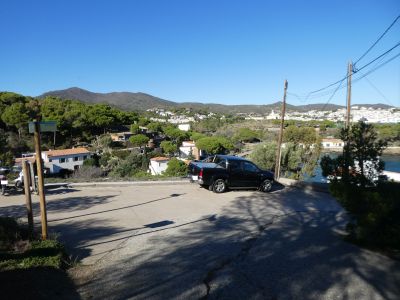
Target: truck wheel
{"points": [[266, 186], [219, 186], [18, 186]]}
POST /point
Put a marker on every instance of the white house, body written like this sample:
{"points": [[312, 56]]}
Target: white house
{"points": [[121, 136], [184, 127], [158, 165], [69, 159], [330, 143], [189, 148]]}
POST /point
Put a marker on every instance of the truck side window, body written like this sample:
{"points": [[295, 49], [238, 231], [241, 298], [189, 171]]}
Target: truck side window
{"points": [[221, 163], [234, 165], [249, 167]]}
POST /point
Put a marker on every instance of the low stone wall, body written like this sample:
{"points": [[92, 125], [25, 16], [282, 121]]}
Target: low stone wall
{"points": [[314, 186]]}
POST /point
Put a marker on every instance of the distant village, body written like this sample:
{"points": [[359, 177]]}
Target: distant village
{"points": [[366, 114], [72, 159]]}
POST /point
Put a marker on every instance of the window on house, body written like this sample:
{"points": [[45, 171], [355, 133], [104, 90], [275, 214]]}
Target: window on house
{"points": [[76, 158], [62, 160], [84, 157], [50, 160]]}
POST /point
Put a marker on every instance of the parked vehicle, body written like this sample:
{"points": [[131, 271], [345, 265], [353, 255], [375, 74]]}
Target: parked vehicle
{"points": [[221, 172]]}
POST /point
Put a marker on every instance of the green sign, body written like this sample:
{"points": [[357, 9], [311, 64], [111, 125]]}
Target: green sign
{"points": [[45, 126]]}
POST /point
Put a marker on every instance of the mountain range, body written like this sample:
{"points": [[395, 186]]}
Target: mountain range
{"points": [[141, 101]]}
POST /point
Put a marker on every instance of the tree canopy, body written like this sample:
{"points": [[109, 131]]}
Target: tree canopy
{"points": [[214, 144]]}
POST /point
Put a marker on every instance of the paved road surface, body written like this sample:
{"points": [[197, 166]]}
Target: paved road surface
{"points": [[183, 242]]}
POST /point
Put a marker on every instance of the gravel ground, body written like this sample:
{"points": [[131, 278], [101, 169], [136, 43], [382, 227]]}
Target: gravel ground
{"points": [[184, 242]]}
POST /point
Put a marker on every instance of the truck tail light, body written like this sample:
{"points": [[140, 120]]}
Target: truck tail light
{"points": [[201, 173]]}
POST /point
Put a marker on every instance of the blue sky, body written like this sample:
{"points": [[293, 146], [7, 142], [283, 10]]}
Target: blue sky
{"points": [[231, 52]]}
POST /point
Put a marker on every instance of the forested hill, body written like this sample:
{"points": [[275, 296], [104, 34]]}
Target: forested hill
{"points": [[141, 101]]}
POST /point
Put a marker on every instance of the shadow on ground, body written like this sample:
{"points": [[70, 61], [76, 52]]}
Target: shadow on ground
{"points": [[67, 204], [37, 283], [281, 245]]}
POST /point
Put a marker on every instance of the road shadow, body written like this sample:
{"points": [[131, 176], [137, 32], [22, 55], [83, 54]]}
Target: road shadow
{"points": [[282, 245], [68, 204], [37, 283]]}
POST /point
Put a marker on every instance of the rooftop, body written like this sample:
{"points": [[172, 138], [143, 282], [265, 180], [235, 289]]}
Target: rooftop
{"points": [[64, 152], [159, 158]]}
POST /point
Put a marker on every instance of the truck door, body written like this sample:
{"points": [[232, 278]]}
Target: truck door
{"points": [[235, 173], [251, 175]]}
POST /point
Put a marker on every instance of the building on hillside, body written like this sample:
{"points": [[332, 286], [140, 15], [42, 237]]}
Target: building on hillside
{"points": [[66, 159], [188, 149], [121, 136], [158, 165], [331, 143], [184, 127]]}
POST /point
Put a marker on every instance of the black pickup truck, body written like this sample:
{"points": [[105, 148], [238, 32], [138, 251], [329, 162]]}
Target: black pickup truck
{"points": [[220, 172]]}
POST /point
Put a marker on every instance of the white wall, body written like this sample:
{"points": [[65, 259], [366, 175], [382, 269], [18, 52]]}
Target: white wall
{"points": [[157, 167]]}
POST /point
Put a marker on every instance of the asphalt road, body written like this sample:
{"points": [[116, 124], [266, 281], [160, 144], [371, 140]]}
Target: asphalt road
{"points": [[184, 242]]}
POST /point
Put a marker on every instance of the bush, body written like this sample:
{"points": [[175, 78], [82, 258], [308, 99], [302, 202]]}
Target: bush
{"points": [[375, 211], [9, 232], [88, 172], [264, 155], [131, 165], [92, 162], [176, 168]]}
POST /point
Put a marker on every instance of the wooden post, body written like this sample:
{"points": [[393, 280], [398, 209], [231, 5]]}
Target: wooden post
{"points": [[349, 73], [28, 198], [278, 152], [42, 199], [346, 148]]}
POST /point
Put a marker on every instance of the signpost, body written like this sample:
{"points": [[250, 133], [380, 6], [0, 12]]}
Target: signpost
{"points": [[37, 127]]}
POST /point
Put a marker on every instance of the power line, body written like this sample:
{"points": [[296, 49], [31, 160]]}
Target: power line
{"points": [[379, 91], [377, 41], [310, 94], [374, 60], [339, 87], [377, 67], [333, 94]]}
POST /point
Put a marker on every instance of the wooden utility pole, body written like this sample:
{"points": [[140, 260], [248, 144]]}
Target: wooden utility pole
{"points": [[28, 199], [42, 199], [346, 148], [278, 152], [349, 73]]}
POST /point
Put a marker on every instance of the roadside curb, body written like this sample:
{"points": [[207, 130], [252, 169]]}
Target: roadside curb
{"points": [[308, 186], [116, 183]]}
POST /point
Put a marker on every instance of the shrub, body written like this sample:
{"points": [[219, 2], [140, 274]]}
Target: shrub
{"points": [[264, 155], [176, 168], [88, 172], [131, 165], [9, 232], [375, 212]]}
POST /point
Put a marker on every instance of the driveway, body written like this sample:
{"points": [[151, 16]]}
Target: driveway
{"points": [[184, 242]]}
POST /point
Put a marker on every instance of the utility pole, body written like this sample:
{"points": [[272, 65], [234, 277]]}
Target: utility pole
{"points": [[349, 73], [28, 199], [278, 152], [346, 148], [42, 199]]}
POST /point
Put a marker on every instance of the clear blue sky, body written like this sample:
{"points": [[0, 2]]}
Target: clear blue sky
{"points": [[231, 52]]}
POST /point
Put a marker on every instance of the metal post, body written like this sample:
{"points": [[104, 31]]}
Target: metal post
{"points": [[278, 152], [28, 199], [42, 199], [33, 180]]}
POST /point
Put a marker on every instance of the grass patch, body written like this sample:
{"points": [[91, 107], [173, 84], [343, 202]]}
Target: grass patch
{"points": [[17, 251], [49, 253]]}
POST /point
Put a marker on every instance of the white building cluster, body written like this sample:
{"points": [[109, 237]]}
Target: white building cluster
{"points": [[367, 114]]}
